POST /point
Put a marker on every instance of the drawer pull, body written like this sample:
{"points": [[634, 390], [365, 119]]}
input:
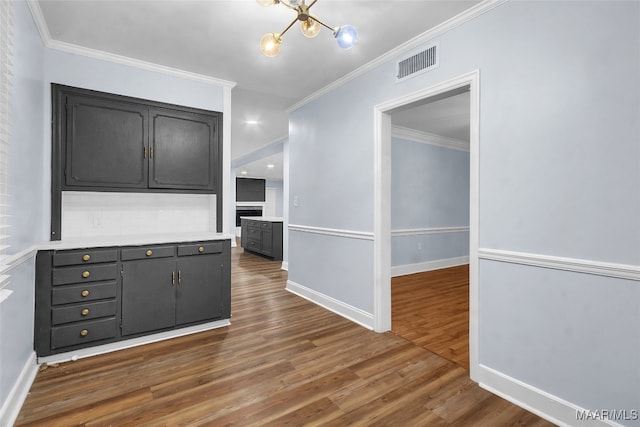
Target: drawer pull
{"points": [[85, 293], [84, 311], [84, 333], [201, 249], [86, 257], [149, 252], [86, 274]]}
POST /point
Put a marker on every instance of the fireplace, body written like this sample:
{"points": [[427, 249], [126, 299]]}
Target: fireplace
{"points": [[247, 211]]}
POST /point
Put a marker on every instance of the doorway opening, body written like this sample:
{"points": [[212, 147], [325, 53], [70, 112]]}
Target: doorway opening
{"points": [[430, 224], [383, 128]]}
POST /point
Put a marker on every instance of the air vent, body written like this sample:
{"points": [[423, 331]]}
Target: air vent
{"points": [[417, 63]]}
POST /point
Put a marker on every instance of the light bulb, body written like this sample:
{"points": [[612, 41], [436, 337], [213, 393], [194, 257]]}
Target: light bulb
{"points": [[266, 3], [310, 28], [346, 36], [270, 44]]}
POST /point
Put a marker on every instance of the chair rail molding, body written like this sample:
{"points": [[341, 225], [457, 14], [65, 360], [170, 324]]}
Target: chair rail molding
{"points": [[609, 269]]}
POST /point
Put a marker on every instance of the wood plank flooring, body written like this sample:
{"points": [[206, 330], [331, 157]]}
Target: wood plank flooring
{"points": [[283, 361], [431, 309]]}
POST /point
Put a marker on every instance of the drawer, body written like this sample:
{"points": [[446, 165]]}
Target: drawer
{"points": [[266, 225], [82, 332], [84, 256], [200, 248], [253, 233], [88, 292], [254, 245], [78, 312], [88, 273], [144, 252]]}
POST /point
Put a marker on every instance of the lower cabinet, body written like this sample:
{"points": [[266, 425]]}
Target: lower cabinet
{"points": [[167, 286], [263, 237], [96, 296]]}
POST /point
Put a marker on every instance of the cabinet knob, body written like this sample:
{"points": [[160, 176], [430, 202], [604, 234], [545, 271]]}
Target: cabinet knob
{"points": [[86, 257], [84, 311], [84, 333], [85, 293], [149, 252], [201, 249], [86, 274]]}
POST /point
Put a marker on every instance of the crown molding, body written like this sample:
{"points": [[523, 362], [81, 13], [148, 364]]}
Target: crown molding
{"points": [[407, 46], [428, 138], [50, 43]]}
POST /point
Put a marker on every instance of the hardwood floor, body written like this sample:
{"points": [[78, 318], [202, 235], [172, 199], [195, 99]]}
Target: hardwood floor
{"points": [[283, 361], [431, 309]]}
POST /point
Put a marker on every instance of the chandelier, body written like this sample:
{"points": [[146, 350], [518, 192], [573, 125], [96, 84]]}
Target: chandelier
{"points": [[270, 43]]}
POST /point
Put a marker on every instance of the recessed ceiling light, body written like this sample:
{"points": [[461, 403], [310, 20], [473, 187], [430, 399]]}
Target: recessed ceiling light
{"points": [[251, 122], [243, 172], [270, 166]]}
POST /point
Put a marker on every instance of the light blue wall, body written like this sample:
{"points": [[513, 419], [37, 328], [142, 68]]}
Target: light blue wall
{"points": [[27, 174], [429, 189], [16, 329], [559, 171], [29, 167]]}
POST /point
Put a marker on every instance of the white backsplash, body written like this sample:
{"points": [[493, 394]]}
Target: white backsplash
{"points": [[116, 214]]}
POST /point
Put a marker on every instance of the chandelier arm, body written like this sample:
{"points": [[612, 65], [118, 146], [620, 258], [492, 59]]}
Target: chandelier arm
{"points": [[290, 25], [312, 3], [333, 30]]}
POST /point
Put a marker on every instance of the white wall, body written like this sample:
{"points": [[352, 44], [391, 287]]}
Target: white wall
{"points": [[559, 170]]}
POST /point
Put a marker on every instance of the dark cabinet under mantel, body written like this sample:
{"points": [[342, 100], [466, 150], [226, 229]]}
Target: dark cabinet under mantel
{"points": [[107, 142], [262, 236]]}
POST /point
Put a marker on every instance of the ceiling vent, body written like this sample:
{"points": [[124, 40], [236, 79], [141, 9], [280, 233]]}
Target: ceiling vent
{"points": [[418, 63]]}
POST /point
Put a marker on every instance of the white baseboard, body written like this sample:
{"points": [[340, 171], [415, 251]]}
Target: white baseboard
{"points": [[347, 311], [11, 407], [285, 266], [133, 342], [401, 270], [539, 402]]}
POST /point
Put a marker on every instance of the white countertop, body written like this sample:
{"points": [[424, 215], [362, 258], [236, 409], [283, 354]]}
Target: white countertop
{"points": [[146, 239], [264, 218]]}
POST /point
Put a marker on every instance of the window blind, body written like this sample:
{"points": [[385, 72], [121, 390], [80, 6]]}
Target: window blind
{"points": [[6, 28]]}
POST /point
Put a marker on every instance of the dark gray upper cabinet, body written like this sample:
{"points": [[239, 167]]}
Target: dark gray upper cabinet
{"points": [[115, 143], [182, 150], [105, 143]]}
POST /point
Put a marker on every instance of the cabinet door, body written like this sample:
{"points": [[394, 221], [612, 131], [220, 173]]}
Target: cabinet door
{"points": [[266, 242], [148, 295], [106, 143], [185, 150], [200, 288], [243, 233]]}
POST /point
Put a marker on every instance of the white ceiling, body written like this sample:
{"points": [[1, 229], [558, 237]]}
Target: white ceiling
{"points": [[219, 38], [448, 117]]}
